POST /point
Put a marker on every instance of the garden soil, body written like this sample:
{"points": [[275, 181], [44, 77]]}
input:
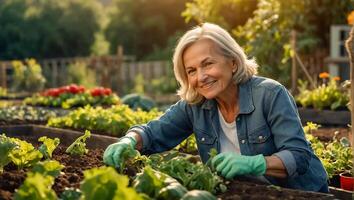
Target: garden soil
{"points": [[12, 178]]}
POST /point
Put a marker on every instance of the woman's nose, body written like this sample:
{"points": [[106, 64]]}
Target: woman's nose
{"points": [[201, 76]]}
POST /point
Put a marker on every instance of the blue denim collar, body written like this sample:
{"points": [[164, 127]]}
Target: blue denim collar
{"points": [[245, 99]]}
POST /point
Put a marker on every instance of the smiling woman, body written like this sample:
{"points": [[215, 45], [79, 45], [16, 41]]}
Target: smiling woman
{"points": [[251, 121]]}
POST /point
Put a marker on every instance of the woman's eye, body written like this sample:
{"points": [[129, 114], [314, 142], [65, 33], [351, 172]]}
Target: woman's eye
{"points": [[190, 72]]}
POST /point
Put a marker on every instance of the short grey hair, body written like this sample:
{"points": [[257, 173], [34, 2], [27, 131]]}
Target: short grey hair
{"points": [[246, 68]]}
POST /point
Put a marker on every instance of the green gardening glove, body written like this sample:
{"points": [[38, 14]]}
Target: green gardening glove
{"points": [[230, 165], [114, 151]]}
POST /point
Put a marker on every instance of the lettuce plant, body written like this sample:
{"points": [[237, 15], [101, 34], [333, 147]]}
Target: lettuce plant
{"points": [[36, 187], [24, 155], [48, 146], [78, 147], [106, 183], [6, 146], [48, 167]]}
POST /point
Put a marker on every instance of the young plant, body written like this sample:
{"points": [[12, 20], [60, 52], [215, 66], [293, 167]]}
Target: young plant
{"points": [[48, 146], [78, 147], [48, 167], [36, 187], [24, 155], [6, 146], [126, 156], [106, 183]]}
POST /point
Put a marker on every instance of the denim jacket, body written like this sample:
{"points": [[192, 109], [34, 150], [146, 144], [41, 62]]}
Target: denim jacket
{"points": [[268, 123]]}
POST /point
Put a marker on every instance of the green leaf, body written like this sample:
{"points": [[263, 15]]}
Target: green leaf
{"points": [[78, 147], [48, 146], [36, 187], [6, 146], [106, 183], [48, 167]]}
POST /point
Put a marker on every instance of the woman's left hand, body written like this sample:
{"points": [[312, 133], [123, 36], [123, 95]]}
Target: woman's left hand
{"points": [[230, 165]]}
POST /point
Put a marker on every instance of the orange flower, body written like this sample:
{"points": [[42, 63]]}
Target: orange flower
{"points": [[324, 75], [336, 78], [350, 18]]}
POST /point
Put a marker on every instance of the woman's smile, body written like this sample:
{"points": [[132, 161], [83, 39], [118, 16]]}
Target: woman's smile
{"points": [[208, 85]]}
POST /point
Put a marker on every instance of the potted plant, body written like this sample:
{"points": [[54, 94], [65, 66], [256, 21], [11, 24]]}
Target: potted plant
{"points": [[347, 180]]}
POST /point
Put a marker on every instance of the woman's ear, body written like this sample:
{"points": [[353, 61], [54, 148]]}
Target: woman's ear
{"points": [[234, 66]]}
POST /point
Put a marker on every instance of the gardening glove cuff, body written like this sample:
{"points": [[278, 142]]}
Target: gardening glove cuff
{"points": [[130, 140]]}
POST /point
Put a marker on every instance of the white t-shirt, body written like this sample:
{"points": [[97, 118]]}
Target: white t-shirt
{"points": [[228, 136], [229, 142]]}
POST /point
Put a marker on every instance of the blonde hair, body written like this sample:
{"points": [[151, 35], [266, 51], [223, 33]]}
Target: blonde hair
{"points": [[246, 68]]}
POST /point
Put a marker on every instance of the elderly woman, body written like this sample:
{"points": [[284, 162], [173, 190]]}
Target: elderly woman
{"points": [[251, 121]]}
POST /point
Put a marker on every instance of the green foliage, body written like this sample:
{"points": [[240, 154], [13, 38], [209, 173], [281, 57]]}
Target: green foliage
{"points": [[142, 31], [24, 155], [164, 85], [27, 76], [188, 145], [136, 101], [191, 175], [6, 146], [48, 168], [70, 194], [331, 95], [115, 120], [48, 146], [105, 183], [149, 182], [80, 74], [173, 191], [3, 92], [56, 97], [266, 35], [227, 13], [198, 195], [336, 156], [46, 29], [29, 114], [128, 153], [78, 147], [36, 187]]}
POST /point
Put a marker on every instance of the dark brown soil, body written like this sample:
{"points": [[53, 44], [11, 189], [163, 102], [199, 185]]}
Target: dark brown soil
{"points": [[12, 178], [326, 133], [240, 190]]}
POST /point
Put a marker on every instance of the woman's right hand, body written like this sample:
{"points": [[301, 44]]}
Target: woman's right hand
{"points": [[113, 152]]}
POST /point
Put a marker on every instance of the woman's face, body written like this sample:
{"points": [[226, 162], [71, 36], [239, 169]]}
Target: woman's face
{"points": [[209, 72]]}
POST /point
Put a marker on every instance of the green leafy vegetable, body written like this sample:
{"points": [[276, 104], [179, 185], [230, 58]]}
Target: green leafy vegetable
{"points": [[70, 194], [149, 182], [198, 195], [78, 147], [24, 155], [48, 146], [36, 187], [106, 183], [6, 146], [48, 167]]}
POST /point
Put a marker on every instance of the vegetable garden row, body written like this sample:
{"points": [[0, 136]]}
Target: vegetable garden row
{"points": [[70, 168]]}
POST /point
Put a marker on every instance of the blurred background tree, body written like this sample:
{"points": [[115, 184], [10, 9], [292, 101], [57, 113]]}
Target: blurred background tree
{"points": [[145, 27], [49, 28], [266, 34]]}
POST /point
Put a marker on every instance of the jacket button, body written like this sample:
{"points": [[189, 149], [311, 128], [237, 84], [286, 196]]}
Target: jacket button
{"points": [[203, 139], [237, 119], [243, 141]]}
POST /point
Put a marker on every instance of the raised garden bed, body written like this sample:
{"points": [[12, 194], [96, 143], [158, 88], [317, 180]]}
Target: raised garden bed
{"points": [[324, 117], [12, 178], [66, 136]]}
